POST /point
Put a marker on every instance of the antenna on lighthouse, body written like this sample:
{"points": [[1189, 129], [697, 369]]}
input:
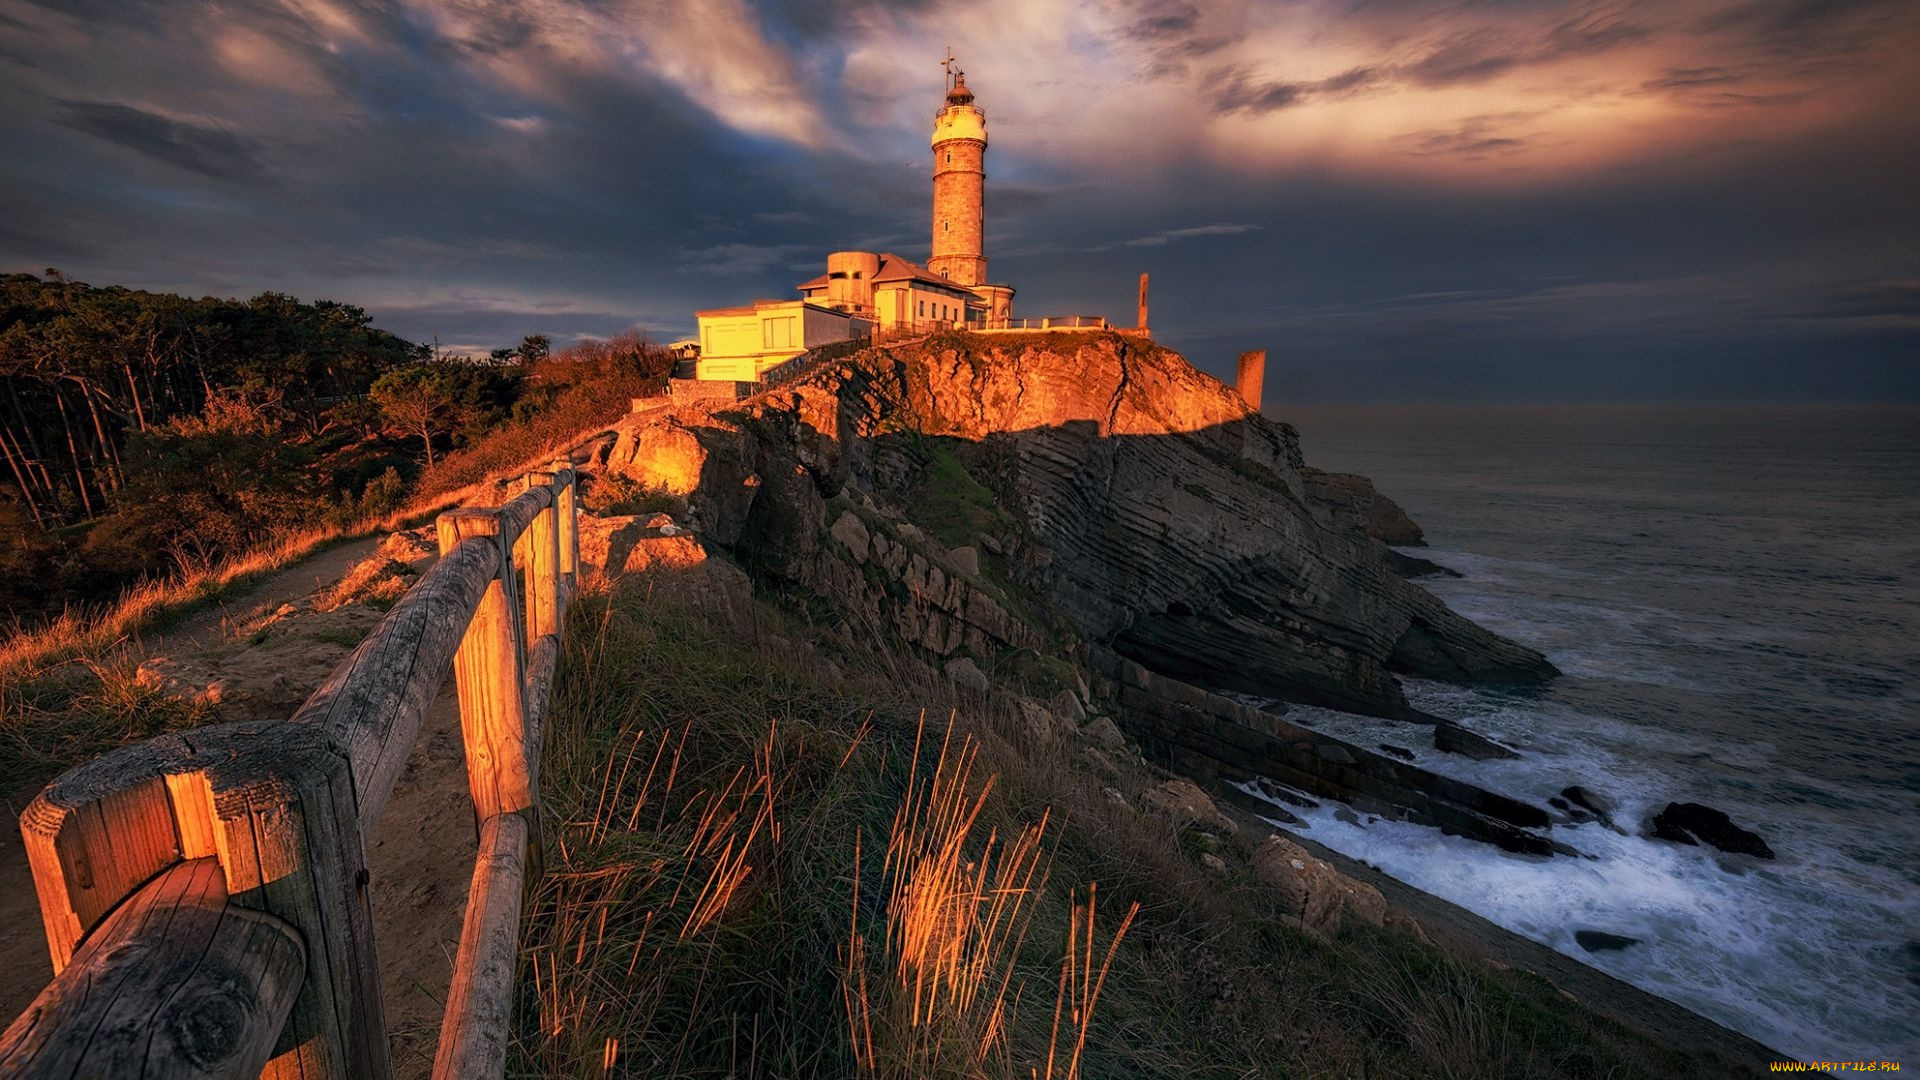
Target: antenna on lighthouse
{"points": [[947, 65]]}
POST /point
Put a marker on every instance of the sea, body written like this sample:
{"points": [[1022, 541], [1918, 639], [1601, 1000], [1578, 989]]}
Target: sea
{"points": [[1733, 596]]}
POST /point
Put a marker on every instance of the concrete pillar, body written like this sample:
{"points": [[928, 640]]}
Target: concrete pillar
{"points": [[1253, 370], [1142, 324]]}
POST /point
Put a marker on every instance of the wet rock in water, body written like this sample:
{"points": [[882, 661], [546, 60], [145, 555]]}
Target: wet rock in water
{"points": [[1693, 823], [1455, 739], [1412, 566], [1595, 941], [1336, 754], [1591, 801], [1400, 752]]}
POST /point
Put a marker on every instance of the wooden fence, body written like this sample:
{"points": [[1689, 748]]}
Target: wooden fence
{"points": [[205, 893]]}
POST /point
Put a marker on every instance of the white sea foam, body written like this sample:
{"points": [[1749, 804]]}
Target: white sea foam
{"points": [[1803, 953]]}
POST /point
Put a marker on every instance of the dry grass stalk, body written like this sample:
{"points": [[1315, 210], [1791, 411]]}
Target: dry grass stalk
{"points": [[954, 925], [1081, 982], [717, 837]]}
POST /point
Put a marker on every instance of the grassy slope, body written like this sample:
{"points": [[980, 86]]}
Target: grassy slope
{"points": [[709, 782]]}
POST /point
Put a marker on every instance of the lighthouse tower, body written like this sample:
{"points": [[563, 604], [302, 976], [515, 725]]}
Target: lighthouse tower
{"points": [[959, 197], [959, 187]]}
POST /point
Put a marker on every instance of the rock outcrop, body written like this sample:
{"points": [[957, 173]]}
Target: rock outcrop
{"points": [[1352, 504], [1213, 738], [1694, 823], [1323, 898], [1138, 496]]}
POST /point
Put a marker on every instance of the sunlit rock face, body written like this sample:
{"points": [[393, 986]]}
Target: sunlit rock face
{"points": [[1136, 494]]}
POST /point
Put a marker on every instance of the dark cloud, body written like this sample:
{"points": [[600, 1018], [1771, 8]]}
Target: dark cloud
{"points": [[197, 146], [1234, 90], [1474, 138], [1479, 55], [1893, 302], [453, 169], [1173, 33]]}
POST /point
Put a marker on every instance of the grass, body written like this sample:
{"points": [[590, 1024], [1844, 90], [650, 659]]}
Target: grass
{"points": [[57, 682], [613, 493], [947, 501], [82, 708], [764, 860]]}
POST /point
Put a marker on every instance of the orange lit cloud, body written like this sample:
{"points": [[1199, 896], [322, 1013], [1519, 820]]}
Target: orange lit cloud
{"points": [[1479, 90]]}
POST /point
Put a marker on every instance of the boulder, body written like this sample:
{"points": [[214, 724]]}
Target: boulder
{"points": [[1590, 801], [1102, 732], [1040, 723], [1400, 752], [1067, 704], [1595, 941], [967, 675], [1693, 823], [967, 559], [1455, 739], [852, 532], [1184, 802], [1322, 897]]}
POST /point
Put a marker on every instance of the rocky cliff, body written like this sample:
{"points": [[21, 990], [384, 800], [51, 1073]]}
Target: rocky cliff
{"points": [[1144, 505]]}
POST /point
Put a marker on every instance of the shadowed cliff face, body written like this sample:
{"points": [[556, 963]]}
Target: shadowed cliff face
{"points": [[1138, 495]]}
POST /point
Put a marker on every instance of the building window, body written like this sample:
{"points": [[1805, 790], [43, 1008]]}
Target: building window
{"points": [[949, 157], [923, 309], [946, 226], [777, 333]]}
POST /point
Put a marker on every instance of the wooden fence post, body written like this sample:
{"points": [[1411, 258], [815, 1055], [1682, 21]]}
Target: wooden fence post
{"points": [[542, 546], [474, 1030], [490, 671], [177, 978], [567, 511], [275, 804]]}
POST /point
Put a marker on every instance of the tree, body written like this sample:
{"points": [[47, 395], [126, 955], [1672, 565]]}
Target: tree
{"points": [[533, 349], [419, 399]]}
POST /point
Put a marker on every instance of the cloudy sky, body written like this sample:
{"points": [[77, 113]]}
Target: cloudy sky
{"points": [[1482, 200]]}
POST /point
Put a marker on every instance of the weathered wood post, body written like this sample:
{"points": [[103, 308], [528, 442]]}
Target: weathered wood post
{"points": [[541, 543], [490, 671], [274, 803], [178, 978], [474, 1028], [566, 510]]}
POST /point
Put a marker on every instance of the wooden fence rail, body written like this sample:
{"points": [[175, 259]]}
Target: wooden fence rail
{"points": [[204, 893]]}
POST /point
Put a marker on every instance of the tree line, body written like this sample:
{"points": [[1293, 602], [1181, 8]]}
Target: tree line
{"points": [[85, 366], [146, 432]]}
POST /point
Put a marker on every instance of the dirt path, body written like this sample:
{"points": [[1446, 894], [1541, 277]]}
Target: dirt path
{"points": [[421, 854]]}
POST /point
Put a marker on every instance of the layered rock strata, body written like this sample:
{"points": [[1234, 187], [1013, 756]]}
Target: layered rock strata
{"points": [[1214, 738], [1137, 495]]}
